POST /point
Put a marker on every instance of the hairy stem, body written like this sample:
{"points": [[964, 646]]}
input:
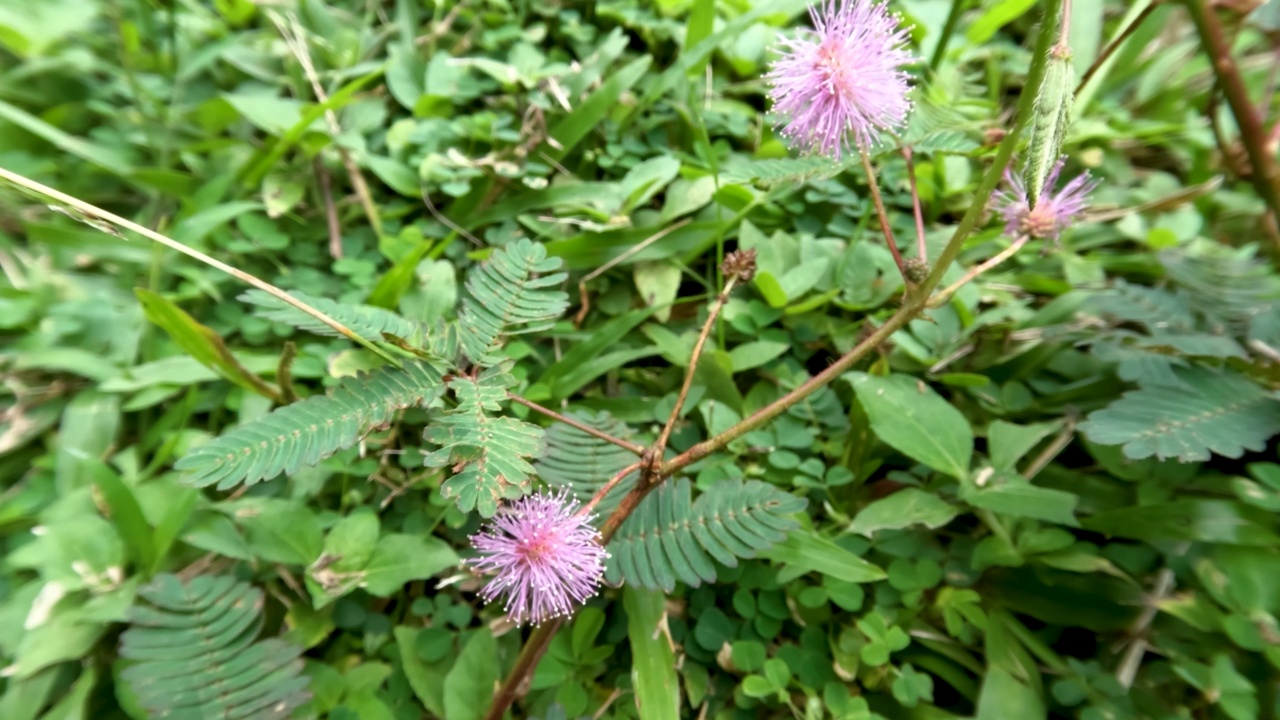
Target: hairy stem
{"points": [[922, 251], [95, 213], [714, 313], [945, 294], [609, 486], [1252, 134], [880, 213], [534, 647], [537, 643], [625, 444]]}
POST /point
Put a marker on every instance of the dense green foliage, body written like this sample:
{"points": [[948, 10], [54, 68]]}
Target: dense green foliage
{"points": [[1054, 495]]}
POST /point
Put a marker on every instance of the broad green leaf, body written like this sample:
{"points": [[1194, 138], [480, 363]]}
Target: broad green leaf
{"points": [[1005, 696], [469, 685], [126, 516], [914, 420], [1007, 443], [89, 425], [653, 666], [906, 507], [398, 559], [805, 551], [658, 283], [350, 542], [201, 343], [756, 353], [1013, 495], [995, 16], [425, 678]]}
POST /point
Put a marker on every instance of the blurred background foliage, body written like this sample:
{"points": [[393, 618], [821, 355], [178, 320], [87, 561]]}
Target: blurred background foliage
{"points": [[1053, 497]]}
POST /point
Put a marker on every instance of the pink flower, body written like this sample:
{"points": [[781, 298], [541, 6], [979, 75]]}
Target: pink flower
{"points": [[545, 558], [841, 81], [1052, 213]]}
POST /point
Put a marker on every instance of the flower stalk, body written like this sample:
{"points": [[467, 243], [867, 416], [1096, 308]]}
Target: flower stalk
{"points": [[916, 302]]}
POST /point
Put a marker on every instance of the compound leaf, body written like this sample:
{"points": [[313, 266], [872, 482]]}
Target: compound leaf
{"points": [[196, 656], [490, 455], [507, 295], [369, 322], [670, 538], [310, 430], [1209, 411]]}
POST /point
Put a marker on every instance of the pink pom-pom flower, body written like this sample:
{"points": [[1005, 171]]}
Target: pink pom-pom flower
{"points": [[545, 558], [1053, 212], [842, 81]]}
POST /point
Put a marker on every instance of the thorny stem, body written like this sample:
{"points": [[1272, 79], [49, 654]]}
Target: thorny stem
{"points": [[625, 444], [944, 295], [661, 446], [540, 638], [880, 213], [1252, 134], [95, 213], [922, 251]]}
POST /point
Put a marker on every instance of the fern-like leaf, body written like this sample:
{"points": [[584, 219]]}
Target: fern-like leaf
{"points": [[310, 430], [782, 172], [1230, 286], [1208, 411], [1158, 310], [367, 321], [581, 463], [489, 454], [670, 538], [508, 295], [193, 644]]}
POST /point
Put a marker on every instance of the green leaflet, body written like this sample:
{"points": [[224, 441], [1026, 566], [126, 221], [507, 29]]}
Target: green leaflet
{"points": [[670, 538], [582, 463], [193, 644], [310, 430], [508, 295], [369, 322], [490, 453], [1221, 412]]}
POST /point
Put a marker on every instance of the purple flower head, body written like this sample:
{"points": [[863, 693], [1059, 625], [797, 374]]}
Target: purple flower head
{"points": [[1052, 213], [545, 558], [841, 81]]}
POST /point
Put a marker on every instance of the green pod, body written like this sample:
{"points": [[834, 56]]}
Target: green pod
{"points": [[1050, 121]]}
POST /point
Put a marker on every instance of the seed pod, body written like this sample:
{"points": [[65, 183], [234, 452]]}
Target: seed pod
{"points": [[1050, 121]]}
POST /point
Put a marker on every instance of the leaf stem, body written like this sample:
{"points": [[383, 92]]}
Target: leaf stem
{"points": [[880, 213], [1252, 134], [534, 647], [944, 295], [609, 486], [661, 445], [922, 250], [94, 212], [577, 424]]}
